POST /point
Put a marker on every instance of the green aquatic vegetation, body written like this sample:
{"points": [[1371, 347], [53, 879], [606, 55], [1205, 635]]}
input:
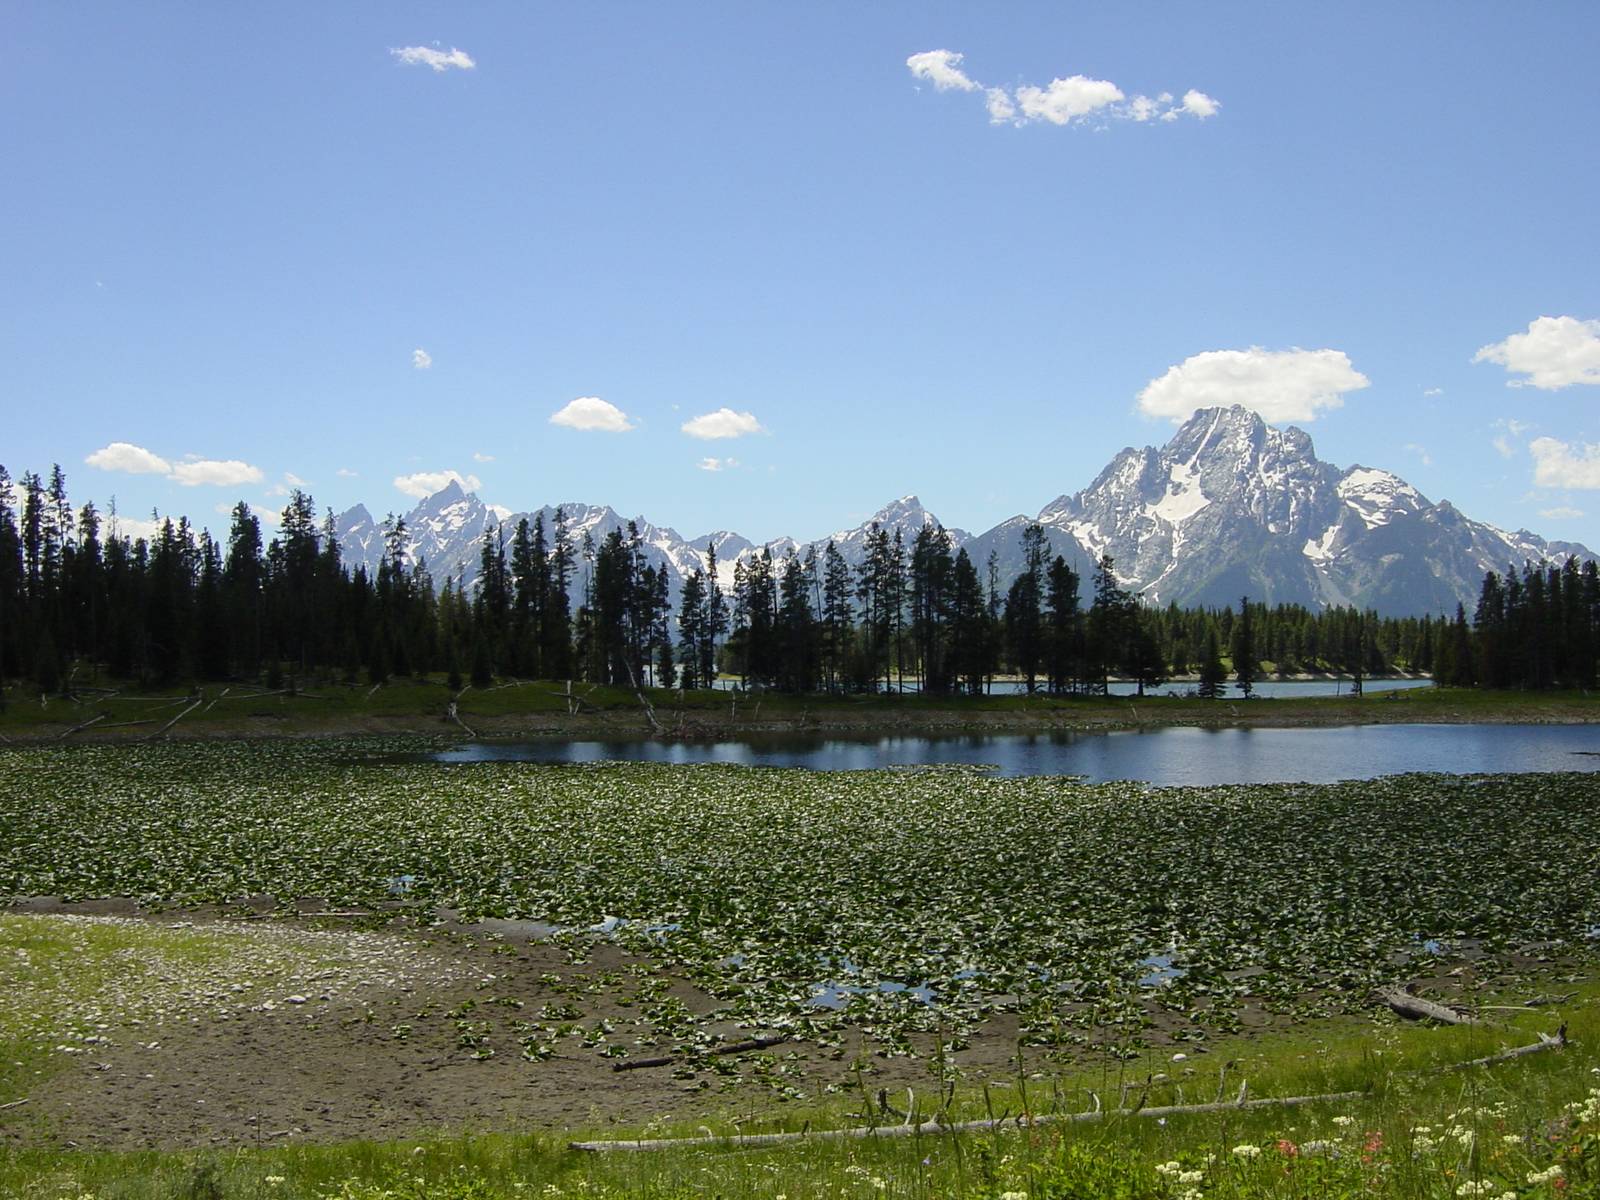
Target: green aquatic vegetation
{"points": [[902, 900]]}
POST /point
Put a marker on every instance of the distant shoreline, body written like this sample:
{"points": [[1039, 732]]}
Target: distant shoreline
{"points": [[541, 710]]}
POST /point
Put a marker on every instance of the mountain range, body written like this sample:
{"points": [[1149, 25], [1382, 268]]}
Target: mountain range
{"points": [[1230, 506]]}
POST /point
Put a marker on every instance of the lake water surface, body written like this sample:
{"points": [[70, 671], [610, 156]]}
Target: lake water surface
{"points": [[1167, 755]]}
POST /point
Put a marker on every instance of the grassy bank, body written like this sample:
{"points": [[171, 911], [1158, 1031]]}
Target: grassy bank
{"points": [[1523, 1129], [544, 708]]}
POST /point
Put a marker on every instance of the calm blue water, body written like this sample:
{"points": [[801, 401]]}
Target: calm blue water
{"points": [[1161, 756]]}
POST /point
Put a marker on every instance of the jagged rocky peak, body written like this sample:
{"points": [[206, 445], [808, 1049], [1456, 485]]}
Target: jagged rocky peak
{"points": [[906, 512], [1379, 497]]}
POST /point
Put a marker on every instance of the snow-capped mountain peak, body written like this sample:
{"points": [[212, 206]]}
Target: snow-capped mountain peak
{"points": [[1230, 506]]}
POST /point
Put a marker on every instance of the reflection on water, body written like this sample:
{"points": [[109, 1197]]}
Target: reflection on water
{"points": [[1168, 755]]}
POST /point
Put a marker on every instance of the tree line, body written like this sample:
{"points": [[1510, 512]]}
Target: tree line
{"points": [[179, 606]]}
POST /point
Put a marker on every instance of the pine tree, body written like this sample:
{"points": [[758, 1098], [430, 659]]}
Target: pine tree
{"points": [[1246, 666], [1213, 676]]}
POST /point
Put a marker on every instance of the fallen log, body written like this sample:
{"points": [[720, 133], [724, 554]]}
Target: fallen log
{"points": [[1545, 1042], [160, 732], [1419, 1008], [14, 1103], [667, 1060], [85, 725], [213, 704], [933, 1127]]}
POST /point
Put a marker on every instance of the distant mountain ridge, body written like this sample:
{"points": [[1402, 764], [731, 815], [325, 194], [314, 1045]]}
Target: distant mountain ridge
{"points": [[1230, 506]]}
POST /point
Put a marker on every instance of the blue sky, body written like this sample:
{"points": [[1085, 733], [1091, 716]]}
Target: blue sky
{"points": [[227, 231]]}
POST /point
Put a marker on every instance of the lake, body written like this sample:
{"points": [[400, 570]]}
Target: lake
{"points": [[1163, 755]]}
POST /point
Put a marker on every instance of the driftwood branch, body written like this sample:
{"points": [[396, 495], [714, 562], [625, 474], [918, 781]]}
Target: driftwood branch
{"points": [[1545, 1042], [14, 1103], [937, 1127], [1420, 1008], [175, 720], [219, 696], [85, 725], [667, 1060]]}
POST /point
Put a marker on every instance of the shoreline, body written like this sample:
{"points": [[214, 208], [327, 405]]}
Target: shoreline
{"points": [[540, 712]]}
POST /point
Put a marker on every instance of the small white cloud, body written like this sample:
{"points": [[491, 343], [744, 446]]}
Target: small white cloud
{"points": [[347, 473], [724, 423], [1281, 385], [1506, 442], [1561, 513], [592, 414], [277, 490], [717, 464], [1554, 353], [423, 484], [1420, 451], [1001, 109], [1433, 391], [421, 360], [1074, 99], [125, 456], [1142, 108], [942, 68], [1564, 465], [212, 472], [478, 456], [294, 480], [439, 60], [1067, 100]]}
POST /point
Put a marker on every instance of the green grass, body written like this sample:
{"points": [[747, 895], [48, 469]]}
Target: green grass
{"points": [[1419, 1134]]}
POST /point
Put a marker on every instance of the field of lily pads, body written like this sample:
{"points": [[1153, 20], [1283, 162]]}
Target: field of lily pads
{"points": [[889, 900]]}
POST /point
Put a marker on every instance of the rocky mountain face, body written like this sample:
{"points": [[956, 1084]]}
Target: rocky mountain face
{"points": [[1229, 507]]}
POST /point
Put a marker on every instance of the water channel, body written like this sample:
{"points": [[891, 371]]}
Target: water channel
{"points": [[1162, 755]]}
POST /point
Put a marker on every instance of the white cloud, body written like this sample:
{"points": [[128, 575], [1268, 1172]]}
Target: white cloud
{"points": [[421, 360], [1281, 385], [347, 473], [717, 464], [294, 480], [1142, 108], [1074, 99], [1001, 109], [478, 456], [593, 414], [213, 472], [134, 528], [191, 472], [1562, 513], [439, 60], [1506, 442], [277, 490], [1420, 451], [125, 456], [1066, 100], [423, 484], [942, 68], [1554, 353], [1432, 392], [1564, 465], [724, 423]]}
